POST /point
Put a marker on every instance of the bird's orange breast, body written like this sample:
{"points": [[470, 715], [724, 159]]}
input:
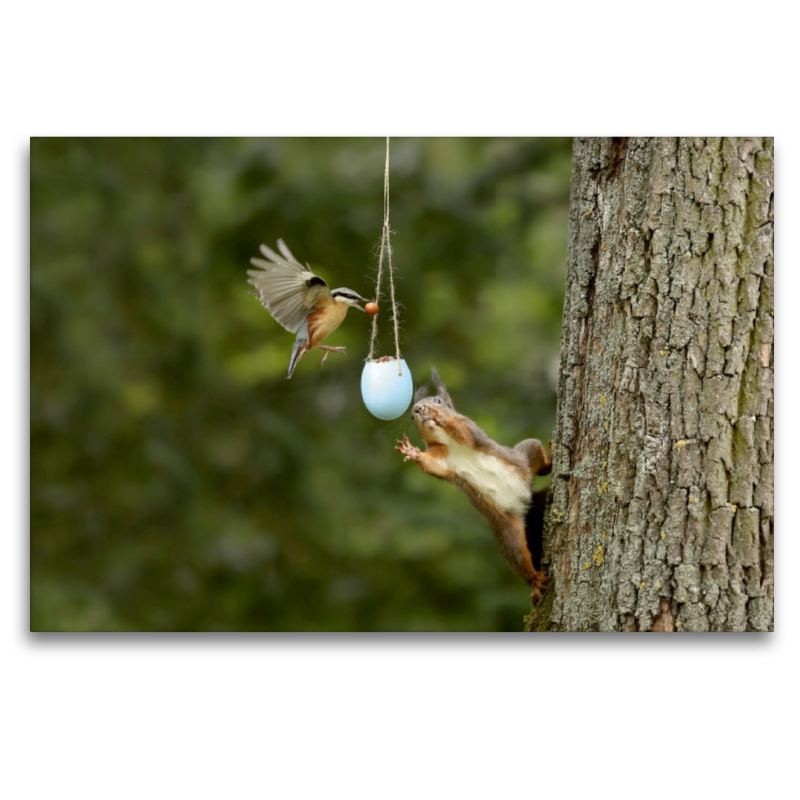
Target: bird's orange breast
{"points": [[324, 321]]}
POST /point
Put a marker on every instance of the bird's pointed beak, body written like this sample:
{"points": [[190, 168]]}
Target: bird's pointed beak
{"points": [[361, 308]]}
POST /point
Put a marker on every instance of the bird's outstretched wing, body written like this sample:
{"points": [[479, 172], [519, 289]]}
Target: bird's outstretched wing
{"points": [[286, 288]]}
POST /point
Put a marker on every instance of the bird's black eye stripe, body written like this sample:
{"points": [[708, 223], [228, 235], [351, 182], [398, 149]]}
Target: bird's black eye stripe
{"points": [[315, 281], [348, 296]]}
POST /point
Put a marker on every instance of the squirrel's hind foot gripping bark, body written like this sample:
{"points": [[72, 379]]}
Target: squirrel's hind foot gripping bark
{"points": [[538, 586]]}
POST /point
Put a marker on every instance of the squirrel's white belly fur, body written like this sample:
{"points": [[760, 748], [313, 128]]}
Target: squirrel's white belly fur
{"points": [[499, 482]]}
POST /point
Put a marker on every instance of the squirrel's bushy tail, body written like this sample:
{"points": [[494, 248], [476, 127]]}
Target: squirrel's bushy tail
{"points": [[534, 527]]}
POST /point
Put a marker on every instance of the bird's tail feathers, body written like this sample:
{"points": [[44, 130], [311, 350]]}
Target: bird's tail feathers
{"points": [[299, 347]]}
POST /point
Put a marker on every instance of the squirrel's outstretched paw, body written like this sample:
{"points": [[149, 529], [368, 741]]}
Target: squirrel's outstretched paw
{"points": [[539, 586], [409, 452]]}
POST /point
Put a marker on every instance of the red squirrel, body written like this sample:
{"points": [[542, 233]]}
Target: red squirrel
{"points": [[495, 479]]}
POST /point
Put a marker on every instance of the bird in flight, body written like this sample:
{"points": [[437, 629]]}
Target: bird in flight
{"points": [[300, 300]]}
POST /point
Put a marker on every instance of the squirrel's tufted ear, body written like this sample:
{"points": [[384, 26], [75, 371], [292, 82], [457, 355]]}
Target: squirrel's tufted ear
{"points": [[441, 389], [421, 393]]}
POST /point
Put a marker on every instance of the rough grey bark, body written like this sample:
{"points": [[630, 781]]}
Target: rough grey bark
{"points": [[661, 514]]}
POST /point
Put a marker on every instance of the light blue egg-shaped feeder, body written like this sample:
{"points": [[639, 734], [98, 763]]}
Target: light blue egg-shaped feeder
{"points": [[386, 393]]}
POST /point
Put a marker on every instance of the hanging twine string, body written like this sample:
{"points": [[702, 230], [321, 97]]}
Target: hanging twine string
{"points": [[386, 249]]}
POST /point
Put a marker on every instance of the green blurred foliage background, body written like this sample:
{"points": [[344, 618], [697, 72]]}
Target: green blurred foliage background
{"points": [[178, 480]]}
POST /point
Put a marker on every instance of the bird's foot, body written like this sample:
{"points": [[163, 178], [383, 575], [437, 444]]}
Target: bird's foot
{"points": [[329, 350]]}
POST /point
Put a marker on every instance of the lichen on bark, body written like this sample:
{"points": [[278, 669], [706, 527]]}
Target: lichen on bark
{"points": [[661, 513]]}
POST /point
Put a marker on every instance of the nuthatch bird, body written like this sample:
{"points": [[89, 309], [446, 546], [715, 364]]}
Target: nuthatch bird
{"points": [[300, 300]]}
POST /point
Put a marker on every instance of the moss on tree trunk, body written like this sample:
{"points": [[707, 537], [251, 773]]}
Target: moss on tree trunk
{"points": [[661, 514]]}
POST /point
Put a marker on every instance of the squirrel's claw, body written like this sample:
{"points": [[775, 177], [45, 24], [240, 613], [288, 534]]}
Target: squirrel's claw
{"points": [[538, 586], [407, 449]]}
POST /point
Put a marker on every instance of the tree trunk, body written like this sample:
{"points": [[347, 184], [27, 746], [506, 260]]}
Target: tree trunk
{"points": [[661, 513]]}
